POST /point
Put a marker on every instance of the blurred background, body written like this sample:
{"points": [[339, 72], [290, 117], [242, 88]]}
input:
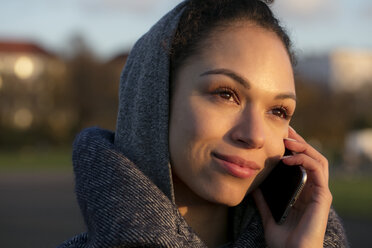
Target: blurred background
{"points": [[60, 63]]}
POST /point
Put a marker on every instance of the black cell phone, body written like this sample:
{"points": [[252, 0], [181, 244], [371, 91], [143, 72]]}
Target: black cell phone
{"points": [[281, 189]]}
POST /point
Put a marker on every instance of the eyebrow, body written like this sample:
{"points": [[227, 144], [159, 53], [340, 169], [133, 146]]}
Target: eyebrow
{"points": [[241, 80], [286, 96], [233, 75]]}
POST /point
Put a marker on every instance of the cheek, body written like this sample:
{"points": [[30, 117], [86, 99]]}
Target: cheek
{"points": [[188, 129], [196, 128], [197, 118], [208, 121], [275, 143]]}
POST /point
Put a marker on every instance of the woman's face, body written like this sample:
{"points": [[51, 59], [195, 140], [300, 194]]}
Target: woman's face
{"points": [[230, 111]]}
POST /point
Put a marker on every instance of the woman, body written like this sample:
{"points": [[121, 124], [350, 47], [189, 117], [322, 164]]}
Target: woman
{"points": [[206, 98]]}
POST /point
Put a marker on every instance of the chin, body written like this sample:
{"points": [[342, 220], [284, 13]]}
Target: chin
{"points": [[229, 196], [230, 201], [235, 202]]}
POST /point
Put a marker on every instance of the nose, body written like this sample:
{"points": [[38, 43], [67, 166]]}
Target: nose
{"points": [[249, 129]]}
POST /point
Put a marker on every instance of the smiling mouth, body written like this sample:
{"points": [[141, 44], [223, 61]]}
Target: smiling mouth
{"points": [[236, 166]]}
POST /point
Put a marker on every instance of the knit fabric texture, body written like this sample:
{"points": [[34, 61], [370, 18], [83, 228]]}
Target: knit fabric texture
{"points": [[123, 179], [121, 206]]}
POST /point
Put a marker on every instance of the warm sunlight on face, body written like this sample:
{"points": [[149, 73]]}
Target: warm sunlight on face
{"points": [[230, 112]]}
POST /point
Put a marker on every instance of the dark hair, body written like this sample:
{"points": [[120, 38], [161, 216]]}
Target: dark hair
{"points": [[202, 16]]}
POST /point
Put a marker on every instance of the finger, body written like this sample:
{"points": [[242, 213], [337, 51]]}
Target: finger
{"points": [[307, 149], [264, 210], [294, 135], [313, 168], [301, 148]]}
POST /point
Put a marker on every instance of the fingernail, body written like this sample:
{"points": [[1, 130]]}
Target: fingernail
{"points": [[287, 156], [292, 129], [291, 139]]}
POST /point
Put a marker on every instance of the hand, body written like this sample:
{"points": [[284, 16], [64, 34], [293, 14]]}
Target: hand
{"points": [[306, 223]]}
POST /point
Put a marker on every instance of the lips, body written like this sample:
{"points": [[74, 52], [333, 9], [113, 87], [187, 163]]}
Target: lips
{"points": [[236, 166]]}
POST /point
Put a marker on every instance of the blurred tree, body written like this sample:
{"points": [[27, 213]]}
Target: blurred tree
{"points": [[94, 88]]}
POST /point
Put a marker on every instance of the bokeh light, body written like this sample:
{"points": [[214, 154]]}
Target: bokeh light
{"points": [[24, 67], [23, 118]]}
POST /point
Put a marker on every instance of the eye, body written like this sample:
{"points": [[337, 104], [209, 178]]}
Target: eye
{"points": [[281, 112], [227, 94]]}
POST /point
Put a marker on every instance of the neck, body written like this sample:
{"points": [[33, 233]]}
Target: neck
{"points": [[209, 220]]}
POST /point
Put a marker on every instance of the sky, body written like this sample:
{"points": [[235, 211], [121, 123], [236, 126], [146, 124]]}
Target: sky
{"points": [[112, 26]]}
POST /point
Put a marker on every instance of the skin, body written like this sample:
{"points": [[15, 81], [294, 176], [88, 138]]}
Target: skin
{"points": [[235, 97]]}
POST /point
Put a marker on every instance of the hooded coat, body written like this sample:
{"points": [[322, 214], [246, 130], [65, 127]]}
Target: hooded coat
{"points": [[123, 179]]}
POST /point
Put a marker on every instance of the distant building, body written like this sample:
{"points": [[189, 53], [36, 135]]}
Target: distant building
{"points": [[29, 77], [340, 70], [23, 60]]}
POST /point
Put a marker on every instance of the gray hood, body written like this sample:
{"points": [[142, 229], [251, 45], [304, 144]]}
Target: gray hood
{"points": [[142, 123]]}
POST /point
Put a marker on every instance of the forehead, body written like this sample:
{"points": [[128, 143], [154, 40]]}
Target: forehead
{"points": [[252, 51]]}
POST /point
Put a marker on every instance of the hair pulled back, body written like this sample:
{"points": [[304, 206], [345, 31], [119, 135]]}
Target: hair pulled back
{"points": [[202, 16]]}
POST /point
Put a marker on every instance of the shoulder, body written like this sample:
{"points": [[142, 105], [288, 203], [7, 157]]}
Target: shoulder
{"points": [[335, 233], [78, 241]]}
